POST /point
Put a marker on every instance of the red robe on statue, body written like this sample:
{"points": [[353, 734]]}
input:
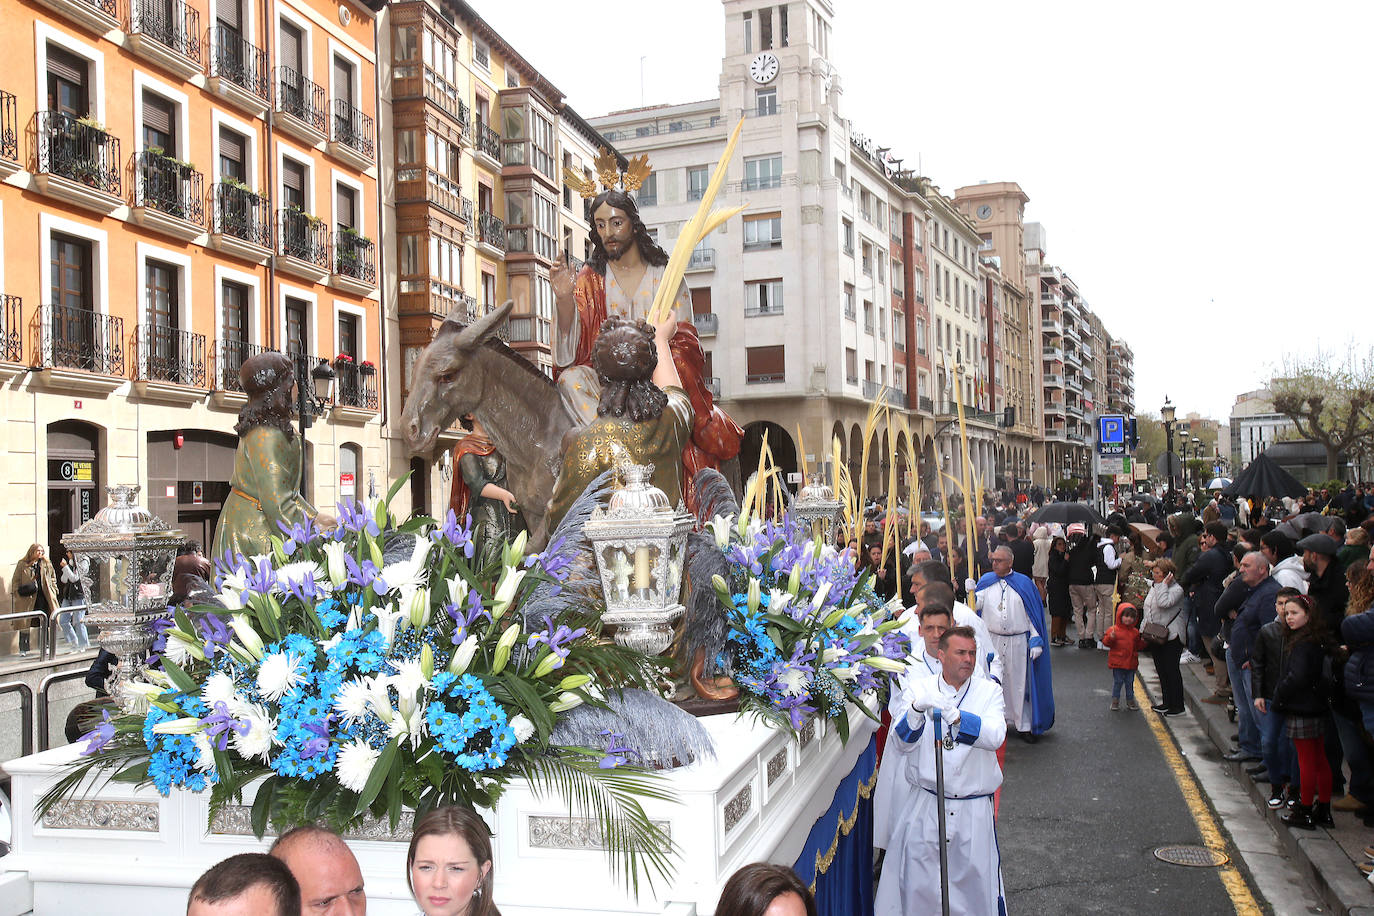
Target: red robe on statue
{"points": [[715, 436]]}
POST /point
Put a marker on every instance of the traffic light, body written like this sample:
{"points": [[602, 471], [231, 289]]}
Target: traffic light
{"points": [[1134, 439]]}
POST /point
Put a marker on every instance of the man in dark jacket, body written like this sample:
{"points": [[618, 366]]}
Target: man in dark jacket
{"points": [[1266, 662], [1255, 612], [1205, 580], [1022, 550], [1082, 587], [1326, 581]]}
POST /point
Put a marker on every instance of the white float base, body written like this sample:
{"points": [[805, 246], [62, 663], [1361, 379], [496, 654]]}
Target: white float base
{"points": [[134, 851]]}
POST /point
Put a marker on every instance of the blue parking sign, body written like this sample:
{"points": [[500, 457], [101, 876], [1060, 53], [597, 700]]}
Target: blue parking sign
{"points": [[1111, 435]]}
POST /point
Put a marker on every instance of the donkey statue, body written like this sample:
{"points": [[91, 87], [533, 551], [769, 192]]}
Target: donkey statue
{"points": [[465, 369]]}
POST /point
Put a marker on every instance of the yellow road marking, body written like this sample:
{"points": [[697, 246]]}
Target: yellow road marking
{"points": [[1236, 886]]}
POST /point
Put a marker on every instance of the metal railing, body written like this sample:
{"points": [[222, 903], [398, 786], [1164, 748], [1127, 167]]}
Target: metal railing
{"points": [[9, 131], [761, 183], [702, 259], [25, 712], [352, 128], [12, 329], [171, 355], [707, 323], [242, 214], [713, 385], [77, 338], [230, 356], [171, 23], [761, 377], [355, 256], [163, 184], [238, 60], [754, 311], [300, 235], [676, 125], [491, 230], [78, 150], [488, 141], [925, 404], [301, 98], [530, 329], [354, 387], [44, 625], [44, 707]]}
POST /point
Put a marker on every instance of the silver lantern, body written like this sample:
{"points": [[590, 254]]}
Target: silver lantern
{"points": [[817, 508], [124, 557], [640, 543]]}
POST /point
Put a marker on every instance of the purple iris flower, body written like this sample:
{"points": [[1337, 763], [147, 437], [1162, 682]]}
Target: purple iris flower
{"points": [[464, 615], [262, 579], [364, 574], [797, 710], [617, 751], [355, 517], [557, 640], [232, 562], [556, 563], [317, 745], [220, 723], [306, 589], [97, 738], [160, 626], [459, 535], [213, 631], [297, 535]]}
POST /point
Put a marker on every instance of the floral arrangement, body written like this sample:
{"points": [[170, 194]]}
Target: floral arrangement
{"points": [[376, 666], [367, 365], [344, 359], [807, 633]]}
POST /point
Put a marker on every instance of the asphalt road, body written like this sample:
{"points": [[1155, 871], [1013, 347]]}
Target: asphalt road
{"points": [[1084, 809]]}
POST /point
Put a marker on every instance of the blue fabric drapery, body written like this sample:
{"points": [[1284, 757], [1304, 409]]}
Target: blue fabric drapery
{"points": [[837, 860]]}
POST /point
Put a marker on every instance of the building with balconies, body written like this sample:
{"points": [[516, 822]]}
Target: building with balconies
{"points": [[176, 199]]}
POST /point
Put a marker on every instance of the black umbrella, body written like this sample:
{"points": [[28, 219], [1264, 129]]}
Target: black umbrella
{"points": [[1300, 526], [1147, 498], [1066, 513], [1263, 478]]}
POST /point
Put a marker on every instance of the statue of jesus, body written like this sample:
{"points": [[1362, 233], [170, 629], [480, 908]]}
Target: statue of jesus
{"points": [[621, 279]]}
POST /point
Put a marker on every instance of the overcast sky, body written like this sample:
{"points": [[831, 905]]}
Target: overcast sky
{"points": [[1200, 167]]}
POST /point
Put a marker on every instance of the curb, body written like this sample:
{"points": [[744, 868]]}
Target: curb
{"points": [[1321, 859]]}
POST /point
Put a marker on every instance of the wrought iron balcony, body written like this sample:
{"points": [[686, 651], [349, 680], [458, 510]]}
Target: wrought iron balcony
{"points": [[78, 150], [230, 355], [239, 61], [171, 23], [702, 259], [354, 387], [355, 256], [925, 404], [707, 323], [353, 129], [300, 98], [9, 133], [175, 188], [171, 355], [302, 236], [491, 230], [78, 338], [242, 214], [488, 142], [12, 329]]}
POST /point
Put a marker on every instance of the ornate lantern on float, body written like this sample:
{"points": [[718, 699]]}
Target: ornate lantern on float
{"points": [[124, 557], [817, 508], [640, 543]]}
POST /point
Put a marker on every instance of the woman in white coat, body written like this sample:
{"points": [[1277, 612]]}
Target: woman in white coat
{"points": [[1164, 606]]}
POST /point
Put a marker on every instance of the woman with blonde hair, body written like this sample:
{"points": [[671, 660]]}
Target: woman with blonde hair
{"points": [[448, 865], [33, 588]]}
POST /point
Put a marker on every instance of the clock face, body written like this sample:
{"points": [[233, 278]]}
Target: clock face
{"points": [[764, 67], [984, 211]]}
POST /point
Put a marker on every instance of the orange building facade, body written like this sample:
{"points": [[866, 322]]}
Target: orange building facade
{"points": [[182, 185]]}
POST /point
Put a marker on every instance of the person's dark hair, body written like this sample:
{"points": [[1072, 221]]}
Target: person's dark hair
{"points": [[1280, 544], [649, 250], [934, 608], [237, 874], [267, 379], [1315, 628], [1239, 550], [1217, 530], [937, 592], [1286, 591], [1253, 535], [751, 889], [934, 571], [625, 357], [965, 632], [189, 548], [468, 826]]}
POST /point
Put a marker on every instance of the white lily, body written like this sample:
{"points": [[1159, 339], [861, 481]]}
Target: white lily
{"points": [[844, 673], [566, 701], [515, 550], [819, 600], [334, 563], [386, 614], [458, 589], [417, 606], [186, 726], [794, 581], [884, 664], [831, 654], [409, 681], [462, 656], [505, 590], [410, 571], [720, 530], [778, 600], [232, 599], [249, 637], [181, 648], [753, 595], [378, 698]]}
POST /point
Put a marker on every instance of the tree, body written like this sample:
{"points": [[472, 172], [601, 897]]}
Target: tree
{"points": [[1150, 430], [1328, 402]]}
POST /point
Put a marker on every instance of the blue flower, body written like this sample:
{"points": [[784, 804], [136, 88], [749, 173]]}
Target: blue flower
{"points": [[99, 737], [456, 534], [330, 615], [354, 517]]}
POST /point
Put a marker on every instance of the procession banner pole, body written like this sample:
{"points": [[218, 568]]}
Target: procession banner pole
{"points": [[940, 812]]}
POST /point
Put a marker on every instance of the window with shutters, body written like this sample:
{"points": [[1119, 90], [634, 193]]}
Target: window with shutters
{"points": [[345, 208], [765, 364], [229, 15], [233, 155], [234, 304], [343, 81], [488, 291], [68, 83], [294, 176], [701, 301], [297, 325], [348, 336], [851, 366], [70, 272]]}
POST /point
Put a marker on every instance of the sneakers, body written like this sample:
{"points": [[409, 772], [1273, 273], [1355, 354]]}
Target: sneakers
{"points": [[1348, 803], [1277, 796], [1173, 712], [1131, 703], [1188, 658], [1101, 645], [1116, 705]]}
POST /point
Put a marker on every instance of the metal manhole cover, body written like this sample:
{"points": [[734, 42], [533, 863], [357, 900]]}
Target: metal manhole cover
{"points": [[1193, 856]]}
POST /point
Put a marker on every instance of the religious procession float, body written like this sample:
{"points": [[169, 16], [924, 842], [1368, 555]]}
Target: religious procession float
{"points": [[640, 679]]}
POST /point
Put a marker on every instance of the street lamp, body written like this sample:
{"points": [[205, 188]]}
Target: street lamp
{"points": [[1197, 456], [1166, 413], [312, 402]]}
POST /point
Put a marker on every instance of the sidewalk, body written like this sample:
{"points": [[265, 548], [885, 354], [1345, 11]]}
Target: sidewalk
{"points": [[1326, 857]]}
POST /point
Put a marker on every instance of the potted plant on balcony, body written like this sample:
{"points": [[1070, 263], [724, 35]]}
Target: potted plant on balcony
{"points": [[366, 367], [343, 361]]}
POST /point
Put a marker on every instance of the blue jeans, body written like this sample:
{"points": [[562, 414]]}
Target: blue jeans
{"points": [[72, 624], [1279, 756], [1245, 707], [1123, 678]]}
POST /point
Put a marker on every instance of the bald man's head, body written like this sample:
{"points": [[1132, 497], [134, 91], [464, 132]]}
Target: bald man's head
{"points": [[326, 869]]}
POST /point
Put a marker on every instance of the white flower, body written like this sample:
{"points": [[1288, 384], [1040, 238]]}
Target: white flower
{"points": [[205, 759], [720, 530], [295, 573], [819, 598], [522, 727], [505, 589], [409, 681], [794, 682], [778, 600], [231, 599], [462, 656], [219, 688], [417, 605], [257, 741], [278, 673], [355, 764], [185, 726], [410, 726], [755, 526], [334, 563], [386, 615], [408, 573], [249, 637], [178, 650], [832, 654], [353, 700], [458, 589], [844, 674], [566, 700]]}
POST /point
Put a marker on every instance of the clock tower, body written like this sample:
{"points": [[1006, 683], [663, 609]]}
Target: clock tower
{"points": [[776, 58]]}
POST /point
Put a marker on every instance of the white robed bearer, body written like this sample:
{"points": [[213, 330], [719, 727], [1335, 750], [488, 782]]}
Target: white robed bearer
{"points": [[972, 718]]}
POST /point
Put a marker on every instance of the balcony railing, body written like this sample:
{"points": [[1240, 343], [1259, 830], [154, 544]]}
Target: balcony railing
{"points": [[491, 230], [849, 311], [707, 323], [300, 98], [753, 311], [489, 142], [300, 235], [12, 329], [355, 256], [761, 182], [168, 186], [242, 214], [702, 259], [238, 60], [230, 356], [171, 23], [713, 385], [925, 404], [353, 129], [171, 355], [353, 387], [758, 377], [529, 329], [9, 132], [78, 150], [77, 338]]}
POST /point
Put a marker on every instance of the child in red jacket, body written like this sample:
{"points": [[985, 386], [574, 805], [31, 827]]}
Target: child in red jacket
{"points": [[1124, 643]]}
